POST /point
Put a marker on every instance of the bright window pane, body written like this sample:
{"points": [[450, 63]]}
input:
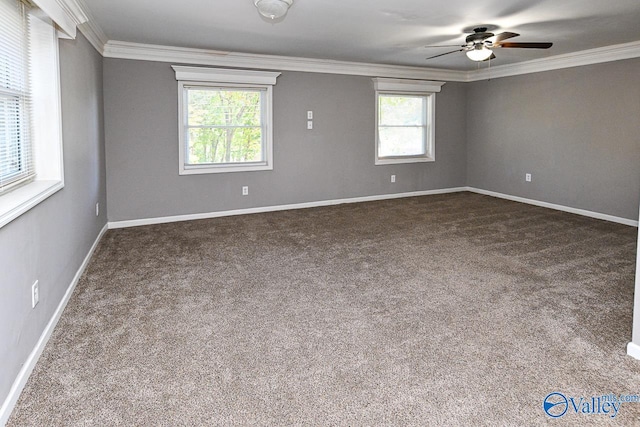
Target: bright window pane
{"points": [[224, 126], [398, 110], [401, 141], [402, 125], [224, 145], [224, 108]]}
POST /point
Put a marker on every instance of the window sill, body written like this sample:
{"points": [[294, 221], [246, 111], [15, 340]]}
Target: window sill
{"points": [[18, 201], [193, 170], [399, 160]]}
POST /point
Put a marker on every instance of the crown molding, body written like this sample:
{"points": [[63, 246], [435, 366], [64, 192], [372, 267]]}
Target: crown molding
{"points": [[75, 10], [146, 52], [73, 15], [91, 30], [94, 35], [67, 14], [575, 59]]}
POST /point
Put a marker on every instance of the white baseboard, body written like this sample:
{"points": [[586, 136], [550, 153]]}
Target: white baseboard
{"points": [[205, 215], [30, 363], [633, 350], [177, 218], [582, 212]]}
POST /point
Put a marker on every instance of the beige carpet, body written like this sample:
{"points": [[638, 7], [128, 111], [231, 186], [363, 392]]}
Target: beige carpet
{"points": [[457, 309]]}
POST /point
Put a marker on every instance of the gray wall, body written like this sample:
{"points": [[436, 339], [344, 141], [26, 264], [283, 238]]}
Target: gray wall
{"points": [[577, 131], [334, 160], [49, 242]]}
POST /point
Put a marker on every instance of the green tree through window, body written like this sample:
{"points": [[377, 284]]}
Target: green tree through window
{"points": [[224, 126]]}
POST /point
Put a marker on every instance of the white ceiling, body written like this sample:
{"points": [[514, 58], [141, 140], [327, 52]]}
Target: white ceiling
{"points": [[377, 31]]}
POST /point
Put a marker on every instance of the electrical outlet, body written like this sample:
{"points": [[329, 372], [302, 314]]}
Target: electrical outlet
{"points": [[527, 177], [309, 115], [35, 294], [245, 190], [97, 209], [393, 178]]}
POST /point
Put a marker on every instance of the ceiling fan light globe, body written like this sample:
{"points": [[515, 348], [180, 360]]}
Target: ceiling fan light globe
{"points": [[273, 9], [479, 54]]}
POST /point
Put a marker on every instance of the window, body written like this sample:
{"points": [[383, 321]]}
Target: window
{"points": [[405, 120], [30, 127], [16, 164], [225, 120], [224, 126]]}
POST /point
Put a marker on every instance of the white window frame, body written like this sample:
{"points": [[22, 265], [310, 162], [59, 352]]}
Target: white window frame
{"points": [[416, 88], [213, 78], [46, 123]]}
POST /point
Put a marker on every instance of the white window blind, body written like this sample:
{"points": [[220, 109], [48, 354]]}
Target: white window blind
{"points": [[16, 158]]}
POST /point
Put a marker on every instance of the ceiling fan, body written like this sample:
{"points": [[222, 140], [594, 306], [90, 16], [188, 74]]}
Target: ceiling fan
{"points": [[479, 45]]}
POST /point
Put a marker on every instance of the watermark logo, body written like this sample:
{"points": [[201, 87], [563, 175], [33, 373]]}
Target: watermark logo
{"points": [[555, 405]]}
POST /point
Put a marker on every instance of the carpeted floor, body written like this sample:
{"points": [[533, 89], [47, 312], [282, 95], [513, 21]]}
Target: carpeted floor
{"points": [[458, 309]]}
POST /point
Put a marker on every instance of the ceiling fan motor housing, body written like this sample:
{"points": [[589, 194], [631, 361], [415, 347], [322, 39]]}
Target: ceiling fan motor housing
{"points": [[479, 36]]}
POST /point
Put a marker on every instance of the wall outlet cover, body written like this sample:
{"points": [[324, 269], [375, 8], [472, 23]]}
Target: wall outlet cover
{"points": [[35, 294]]}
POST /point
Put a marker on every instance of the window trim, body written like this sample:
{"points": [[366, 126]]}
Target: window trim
{"points": [[225, 78], [420, 88], [46, 130]]}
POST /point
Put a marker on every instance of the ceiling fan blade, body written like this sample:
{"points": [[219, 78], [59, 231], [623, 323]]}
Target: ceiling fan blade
{"points": [[446, 53], [502, 36], [526, 45]]}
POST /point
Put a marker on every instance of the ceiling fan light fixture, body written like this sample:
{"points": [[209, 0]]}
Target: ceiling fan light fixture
{"points": [[479, 53], [273, 9]]}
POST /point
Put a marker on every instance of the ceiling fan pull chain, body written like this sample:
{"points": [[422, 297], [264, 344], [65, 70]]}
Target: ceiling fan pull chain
{"points": [[489, 70]]}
